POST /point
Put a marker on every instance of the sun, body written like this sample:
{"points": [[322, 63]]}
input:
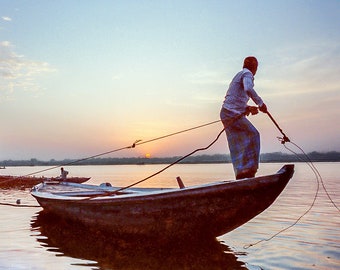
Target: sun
{"points": [[147, 155]]}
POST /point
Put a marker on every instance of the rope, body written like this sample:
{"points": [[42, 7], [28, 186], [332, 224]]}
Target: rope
{"points": [[83, 159], [318, 179], [175, 162], [310, 163], [136, 143], [305, 213], [110, 193]]}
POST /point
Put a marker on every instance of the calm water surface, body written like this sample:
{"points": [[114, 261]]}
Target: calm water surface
{"points": [[30, 240]]}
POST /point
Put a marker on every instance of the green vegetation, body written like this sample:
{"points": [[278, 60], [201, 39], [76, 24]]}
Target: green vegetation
{"points": [[199, 159]]}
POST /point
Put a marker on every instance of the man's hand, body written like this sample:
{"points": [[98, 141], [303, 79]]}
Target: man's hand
{"points": [[252, 110], [263, 108]]}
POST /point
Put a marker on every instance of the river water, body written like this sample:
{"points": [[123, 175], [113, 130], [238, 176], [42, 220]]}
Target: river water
{"points": [[30, 240]]}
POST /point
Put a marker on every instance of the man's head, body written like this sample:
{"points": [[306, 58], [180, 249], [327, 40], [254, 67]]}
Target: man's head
{"points": [[250, 63]]}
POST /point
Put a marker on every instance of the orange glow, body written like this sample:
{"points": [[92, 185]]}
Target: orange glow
{"points": [[147, 155]]}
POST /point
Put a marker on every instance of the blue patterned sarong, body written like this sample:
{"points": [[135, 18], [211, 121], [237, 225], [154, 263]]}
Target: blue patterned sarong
{"points": [[243, 141]]}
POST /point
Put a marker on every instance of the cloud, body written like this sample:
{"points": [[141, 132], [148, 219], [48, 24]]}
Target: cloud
{"points": [[207, 77], [300, 71], [5, 18], [18, 72]]}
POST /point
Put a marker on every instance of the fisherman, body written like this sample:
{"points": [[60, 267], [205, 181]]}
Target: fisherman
{"points": [[63, 174], [243, 138]]}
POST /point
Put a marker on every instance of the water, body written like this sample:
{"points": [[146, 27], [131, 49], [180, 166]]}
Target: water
{"points": [[30, 240]]}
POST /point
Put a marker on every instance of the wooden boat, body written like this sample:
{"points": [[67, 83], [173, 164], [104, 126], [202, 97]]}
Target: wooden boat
{"points": [[78, 180], [9, 181], [210, 209]]}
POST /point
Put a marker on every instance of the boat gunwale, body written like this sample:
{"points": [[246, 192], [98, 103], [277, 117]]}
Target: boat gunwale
{"points": [[140, 194]]}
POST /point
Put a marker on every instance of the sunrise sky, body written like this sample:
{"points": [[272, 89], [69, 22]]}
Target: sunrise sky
{"points": [[78, 78]]}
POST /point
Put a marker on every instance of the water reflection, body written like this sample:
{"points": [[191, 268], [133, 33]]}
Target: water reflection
{"points": [[109, 252]]}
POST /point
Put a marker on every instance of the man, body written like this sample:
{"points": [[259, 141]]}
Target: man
{"points": [[243, 138], [63, 174]]}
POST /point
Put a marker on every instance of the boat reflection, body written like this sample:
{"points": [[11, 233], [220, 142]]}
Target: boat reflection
{"points": [[110, 252]]}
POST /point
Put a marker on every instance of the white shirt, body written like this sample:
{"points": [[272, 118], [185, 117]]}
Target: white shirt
{"points": [[240, 90]]}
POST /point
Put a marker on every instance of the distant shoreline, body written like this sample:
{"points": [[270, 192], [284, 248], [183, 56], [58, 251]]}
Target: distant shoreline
{"points": [[275, 157]]}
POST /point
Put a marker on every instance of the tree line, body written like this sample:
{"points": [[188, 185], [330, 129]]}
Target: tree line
{"points": [[199, 159]]}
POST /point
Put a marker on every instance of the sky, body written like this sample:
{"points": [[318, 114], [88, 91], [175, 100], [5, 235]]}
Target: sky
{"points": [[79, 78]]}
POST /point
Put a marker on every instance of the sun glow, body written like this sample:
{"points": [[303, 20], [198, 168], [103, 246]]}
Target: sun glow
{"points": [[147, 155]]}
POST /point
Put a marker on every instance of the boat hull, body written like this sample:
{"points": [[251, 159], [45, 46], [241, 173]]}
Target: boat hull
{"points": [[78, 180], [8, 181], [212, 210]]}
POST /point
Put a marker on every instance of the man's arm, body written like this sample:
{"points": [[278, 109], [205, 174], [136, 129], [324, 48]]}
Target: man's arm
{"points": [[248, 85]]}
